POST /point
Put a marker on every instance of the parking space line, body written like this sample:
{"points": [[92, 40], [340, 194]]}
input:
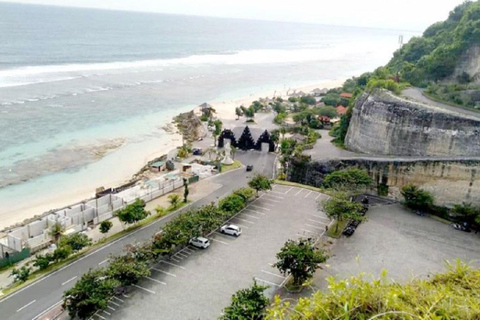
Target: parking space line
{"points": [[118, 299], [189, 250], [320, 217], [277, 197], [244, 220], [172, 264], [124, 295], [145, 289], [273, 274], [250, 210], [176, 259], [268, 204], [283, 193], [106, 312], [308, 230], [193, 248], [324, 223], [64, 283], [271, 264], [318, 196], [100, 316], [273, 284], [254, 205], [250, 216], [157, 281], [165, 272], [312, 226], [299, 191], [111, 308], [114, 303], [26, 305], [223, 242], [182, 254], [274, 201], [288, 190], [308, 194]]}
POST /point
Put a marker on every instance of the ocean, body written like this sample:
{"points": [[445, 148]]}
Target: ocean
{"points": [[84, 93]]}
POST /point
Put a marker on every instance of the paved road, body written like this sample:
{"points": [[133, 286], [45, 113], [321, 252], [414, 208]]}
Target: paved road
{"points": [[417, 95], [34, 299]]}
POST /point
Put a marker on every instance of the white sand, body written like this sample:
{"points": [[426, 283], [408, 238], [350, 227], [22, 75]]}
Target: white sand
{"points": [[110, 175]]}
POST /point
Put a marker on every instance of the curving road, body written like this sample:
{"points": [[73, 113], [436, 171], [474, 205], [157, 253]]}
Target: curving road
{"points": [[417, 95]]}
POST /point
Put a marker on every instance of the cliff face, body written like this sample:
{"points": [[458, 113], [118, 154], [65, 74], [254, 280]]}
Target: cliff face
{"points": [[468, 63], [384, 124]]}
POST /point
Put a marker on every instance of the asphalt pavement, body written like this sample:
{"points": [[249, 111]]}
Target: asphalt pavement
{"points": [[38, 297]]}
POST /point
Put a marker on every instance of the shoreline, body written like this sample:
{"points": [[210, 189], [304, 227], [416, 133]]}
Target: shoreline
{"points": [[74, 194]]}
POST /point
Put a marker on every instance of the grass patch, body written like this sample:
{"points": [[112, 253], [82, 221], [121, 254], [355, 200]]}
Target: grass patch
{"points": [[235, 165], [55, 266], [333, 233]]}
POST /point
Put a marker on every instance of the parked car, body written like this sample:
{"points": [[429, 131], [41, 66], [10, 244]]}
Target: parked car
{"points": [[200, 242], [354, 223], [231, 229], [461, 227], [197, 152], [348, 231], [250, 167]]}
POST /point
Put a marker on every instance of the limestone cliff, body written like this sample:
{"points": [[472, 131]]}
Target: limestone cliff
{"points": [[384, 124], [469, 63], [190, 126]]}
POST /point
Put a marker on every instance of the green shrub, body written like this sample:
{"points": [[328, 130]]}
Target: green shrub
{"points": [[76, 241], [347, 180], [246, 193], [417, 199], [232, 203]]}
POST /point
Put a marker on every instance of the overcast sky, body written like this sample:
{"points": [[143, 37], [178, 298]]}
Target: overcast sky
{"points": [[394, 14]]}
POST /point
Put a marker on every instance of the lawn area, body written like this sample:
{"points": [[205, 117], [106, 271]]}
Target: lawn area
{"points": [[235, 165], [333, 232]]}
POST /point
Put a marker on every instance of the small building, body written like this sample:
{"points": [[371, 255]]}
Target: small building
{"points": [[341, 110], [346, 95], [319, 92], [158, 166]]}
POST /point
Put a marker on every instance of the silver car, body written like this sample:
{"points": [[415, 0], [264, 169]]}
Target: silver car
{"points": [[200, 242], [231, 229]]}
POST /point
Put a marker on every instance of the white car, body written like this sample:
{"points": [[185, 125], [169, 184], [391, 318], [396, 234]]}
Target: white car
{"points": [[200, 242], [231, 229]]}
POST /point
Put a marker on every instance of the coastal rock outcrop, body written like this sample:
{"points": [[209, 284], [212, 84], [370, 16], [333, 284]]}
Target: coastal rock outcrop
{"points": [[384, 124]]}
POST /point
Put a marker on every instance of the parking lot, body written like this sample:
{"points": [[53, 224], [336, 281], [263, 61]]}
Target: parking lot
{"points": [[198, 284], [401, 242]]}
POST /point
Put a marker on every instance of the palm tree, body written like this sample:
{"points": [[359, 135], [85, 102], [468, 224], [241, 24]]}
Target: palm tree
{"points": [[56, 231]]}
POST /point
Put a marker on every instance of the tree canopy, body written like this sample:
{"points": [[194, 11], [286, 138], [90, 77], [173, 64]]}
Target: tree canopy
{"points": [[247, 304], [260, 183], [133, 212]]}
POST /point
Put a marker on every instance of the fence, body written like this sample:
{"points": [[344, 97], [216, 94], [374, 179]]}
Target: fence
{"points": [[14, 257]]}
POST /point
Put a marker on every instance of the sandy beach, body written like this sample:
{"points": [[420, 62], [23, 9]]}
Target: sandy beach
{"points": [[84, 188]]}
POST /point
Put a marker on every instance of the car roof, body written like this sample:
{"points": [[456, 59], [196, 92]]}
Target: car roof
{"points": [[232, 226], [202, 239]]}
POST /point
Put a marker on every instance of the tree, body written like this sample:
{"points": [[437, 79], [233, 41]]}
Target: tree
{"points": [[127, 270], [247, 304], [238, 112], [56, 231], [91, 293], [260, 183], [351, 179], [76, 241], [42, 261], [21, 274], [341, 208], [217, 131], [105, 226], [415, 198], [299, 259], [467, 212], [185, 191], [133, 212], [174, 200], [62, 253]]}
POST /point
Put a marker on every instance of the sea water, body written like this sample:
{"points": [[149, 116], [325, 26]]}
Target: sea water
{"points": [[74, 81]]}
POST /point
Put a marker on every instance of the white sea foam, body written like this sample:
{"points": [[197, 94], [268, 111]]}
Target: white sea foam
{"points": [[39, 74]]}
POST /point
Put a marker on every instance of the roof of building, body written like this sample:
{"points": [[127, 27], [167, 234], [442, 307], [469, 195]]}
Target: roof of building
{"points": [[157, 164], [341, 110], [346, 95], [324, 118]]}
